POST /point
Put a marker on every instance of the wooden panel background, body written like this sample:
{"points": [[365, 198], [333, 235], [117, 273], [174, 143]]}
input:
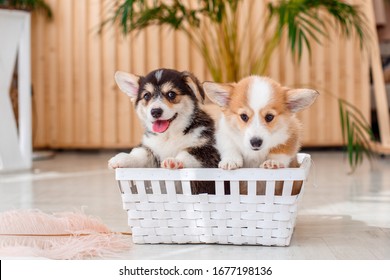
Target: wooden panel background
{"points": [[78, 105]]}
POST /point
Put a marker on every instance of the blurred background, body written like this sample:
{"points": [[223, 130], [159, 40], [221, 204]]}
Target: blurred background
{"points": [[339, 48], [77, 105]]}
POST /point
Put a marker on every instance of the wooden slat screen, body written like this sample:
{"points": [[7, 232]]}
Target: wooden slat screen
{"points": [[78, 105]]}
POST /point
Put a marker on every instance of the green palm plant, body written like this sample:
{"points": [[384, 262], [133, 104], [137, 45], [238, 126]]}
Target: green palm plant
{"points": [[214, 28], [356, 132], [29, 5]]}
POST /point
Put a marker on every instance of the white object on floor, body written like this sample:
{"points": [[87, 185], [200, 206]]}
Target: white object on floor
{"points": [[15, 144], [162, 209]]}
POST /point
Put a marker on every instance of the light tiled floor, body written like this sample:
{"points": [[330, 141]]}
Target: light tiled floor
{"points": [[341, 216]]}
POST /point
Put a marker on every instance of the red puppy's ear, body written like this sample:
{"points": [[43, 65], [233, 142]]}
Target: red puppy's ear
{"points": [[299, 99], [218, 93]]}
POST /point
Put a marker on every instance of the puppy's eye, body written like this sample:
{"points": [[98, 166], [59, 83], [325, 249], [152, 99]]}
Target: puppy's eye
{"points": [[171, 95], [269, 117], [147, 96], [244, 117]]}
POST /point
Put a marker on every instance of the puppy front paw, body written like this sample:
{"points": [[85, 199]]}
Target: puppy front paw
{"points": [[272, 164], [121, 160], [172, 163], [229, 164]]}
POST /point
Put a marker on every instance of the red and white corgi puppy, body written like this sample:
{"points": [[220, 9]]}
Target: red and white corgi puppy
{"points": [[258, 126]]}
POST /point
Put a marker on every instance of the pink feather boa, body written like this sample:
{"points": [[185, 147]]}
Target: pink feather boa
{"points": [[34, 234]]}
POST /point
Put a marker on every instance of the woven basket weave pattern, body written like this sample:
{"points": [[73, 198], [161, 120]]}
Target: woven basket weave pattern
{"points": [[161, 208]]}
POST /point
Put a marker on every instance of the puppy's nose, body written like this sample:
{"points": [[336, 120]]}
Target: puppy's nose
{"points": [[156, 112], [256, 142]]}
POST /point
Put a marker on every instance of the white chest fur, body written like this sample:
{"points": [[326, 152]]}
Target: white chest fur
{"points": [[171, 143], [254, 159]]}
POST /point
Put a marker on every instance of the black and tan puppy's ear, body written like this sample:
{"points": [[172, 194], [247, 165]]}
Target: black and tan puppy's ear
{"points": [[299, 99], [218, 93], [128, 83], [194, 85]]}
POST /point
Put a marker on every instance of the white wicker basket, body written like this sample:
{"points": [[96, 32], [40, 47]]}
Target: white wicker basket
{"points": [[161, 208]]}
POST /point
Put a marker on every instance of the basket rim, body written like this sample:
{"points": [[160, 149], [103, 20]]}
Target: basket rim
{"points": [[217, 174]]}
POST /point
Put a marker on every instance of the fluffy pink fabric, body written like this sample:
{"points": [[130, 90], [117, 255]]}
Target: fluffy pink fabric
{"points": [[32, 233]]}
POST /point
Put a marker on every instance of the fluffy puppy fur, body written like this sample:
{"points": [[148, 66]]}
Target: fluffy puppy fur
{"points": [[258, 126], [178, 133]]}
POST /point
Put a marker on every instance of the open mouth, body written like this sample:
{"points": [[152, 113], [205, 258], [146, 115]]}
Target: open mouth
{"points": [[161, 126]]}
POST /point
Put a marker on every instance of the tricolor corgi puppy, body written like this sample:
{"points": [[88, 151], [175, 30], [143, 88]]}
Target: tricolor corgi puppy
{"points": [[258, 126], [178, 133]]}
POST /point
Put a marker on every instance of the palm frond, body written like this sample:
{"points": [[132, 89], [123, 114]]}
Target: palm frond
{"points": [[37, 5], [303, 19], [217, 43], [357, 134]]}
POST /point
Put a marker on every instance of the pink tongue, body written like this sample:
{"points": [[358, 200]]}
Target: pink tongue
{"points": [[160, 126]]}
